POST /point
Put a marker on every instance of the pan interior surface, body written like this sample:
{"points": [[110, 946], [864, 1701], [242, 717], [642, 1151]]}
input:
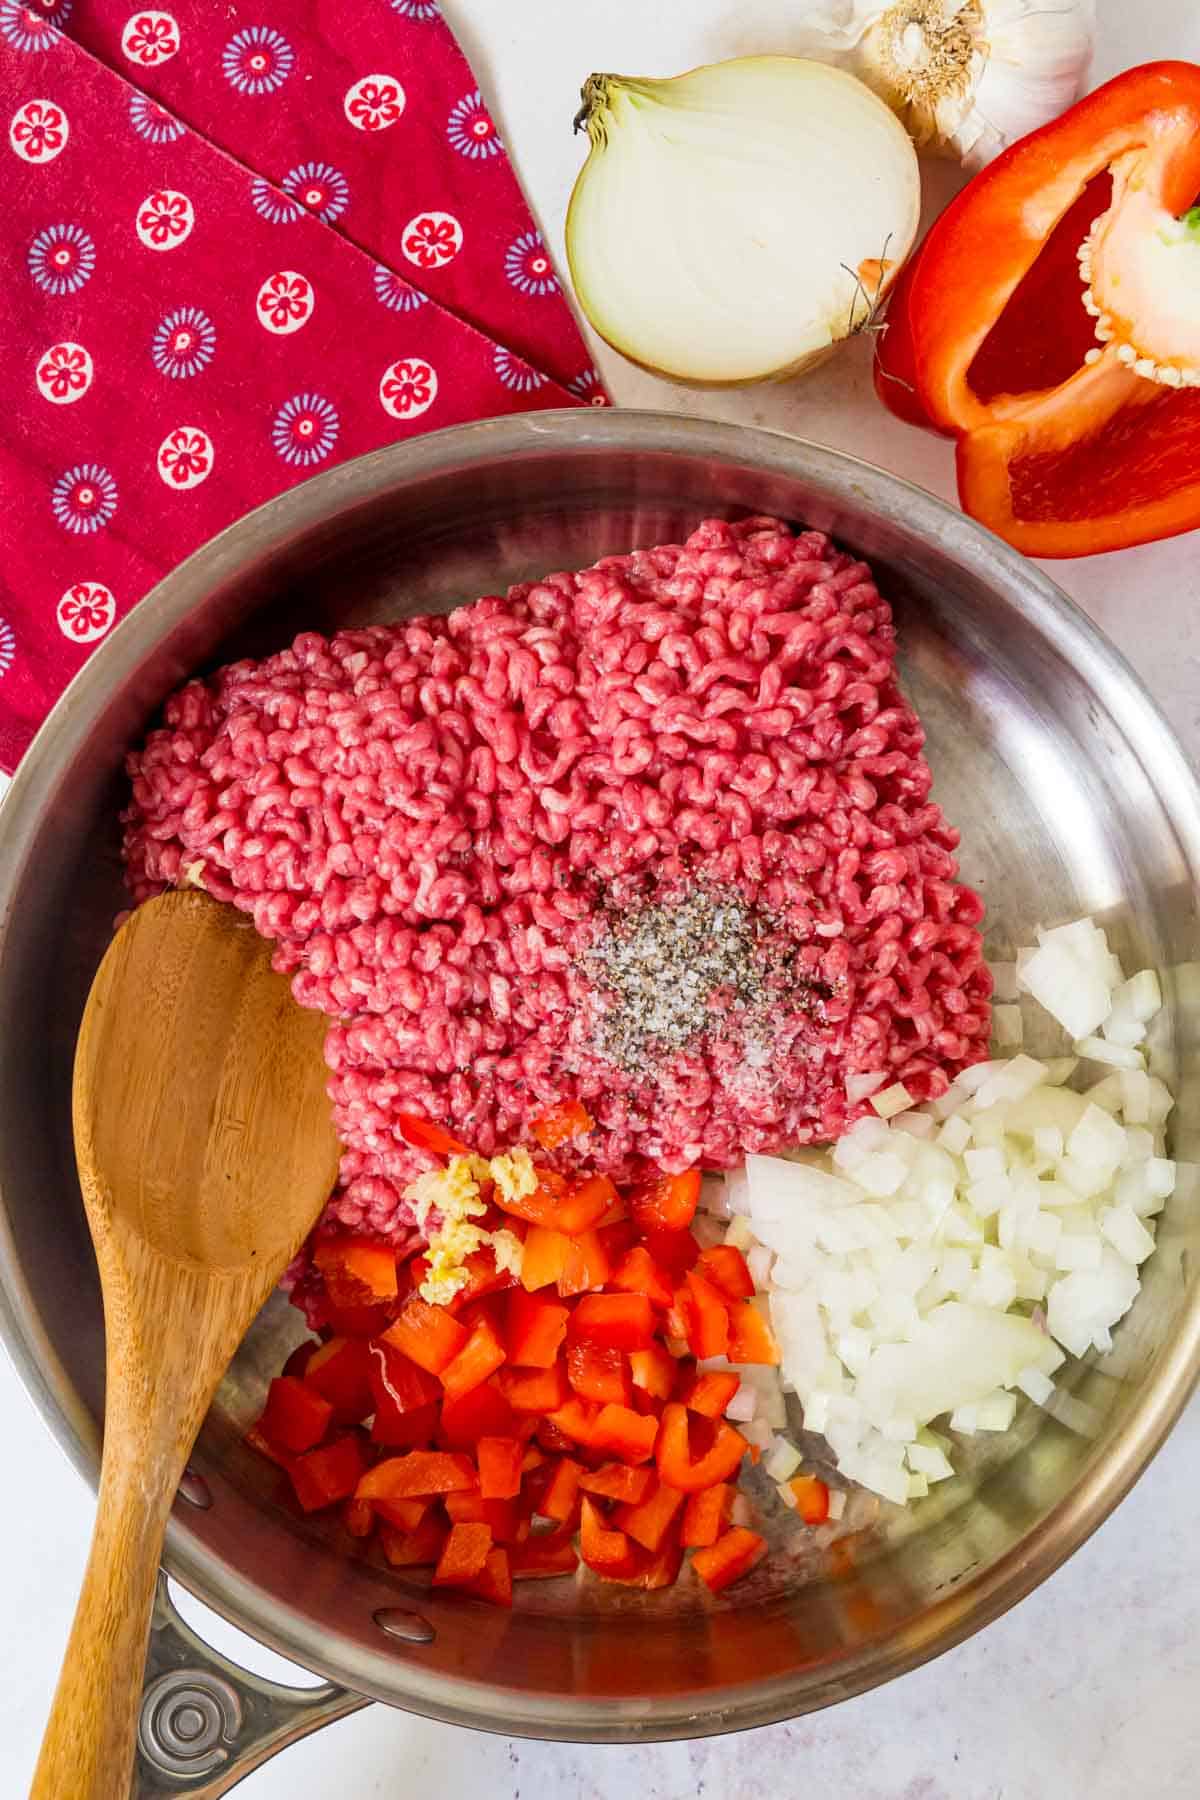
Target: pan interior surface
{"points": [[1071, 798]]}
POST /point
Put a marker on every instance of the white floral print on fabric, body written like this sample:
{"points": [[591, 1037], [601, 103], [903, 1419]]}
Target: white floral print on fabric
{"points": [[257, 60], [61, 259], [471, 129], [528, 267], [320, 187], [33, 25], [515, 374], [588, 386], [84, 498], [285, 302], [150, 38], [374, 103], [432, 239], [417, 9], [271, 205], [64, 373], [8, 647], [184, 343], [185, 457], [86, 611], [39, 131], [165, 219], [305, 429], [392, 291], [152, 121], [408, 388]]}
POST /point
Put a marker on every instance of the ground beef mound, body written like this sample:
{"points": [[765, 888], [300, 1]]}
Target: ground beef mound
{"points": [[447, 824]]}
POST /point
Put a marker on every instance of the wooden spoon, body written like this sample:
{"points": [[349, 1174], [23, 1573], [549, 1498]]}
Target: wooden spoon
{"points": [[206, 1150]]}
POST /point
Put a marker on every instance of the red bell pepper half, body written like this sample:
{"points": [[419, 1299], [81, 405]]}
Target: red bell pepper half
{"points": [[1048, 325]]}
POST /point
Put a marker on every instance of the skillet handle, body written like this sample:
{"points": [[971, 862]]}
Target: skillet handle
{"points": [[205, 1723]]}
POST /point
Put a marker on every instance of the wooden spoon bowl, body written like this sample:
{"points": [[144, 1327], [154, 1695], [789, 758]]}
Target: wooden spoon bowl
{"points": [[206, 1151]]}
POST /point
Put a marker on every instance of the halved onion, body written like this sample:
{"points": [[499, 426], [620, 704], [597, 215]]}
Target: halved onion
{"points": [[734, 223]]}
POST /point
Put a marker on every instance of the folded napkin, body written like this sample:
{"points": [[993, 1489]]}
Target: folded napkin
{"points": [[236, 248]]}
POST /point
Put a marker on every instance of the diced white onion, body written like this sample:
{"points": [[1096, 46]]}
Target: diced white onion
{"points": [[1117, 1056], [782, 1460], [859, 1087], [837, 1502], [893, 1100]]}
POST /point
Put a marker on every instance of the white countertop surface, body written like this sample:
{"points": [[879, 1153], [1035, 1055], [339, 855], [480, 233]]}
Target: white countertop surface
{"points": [[1088, 1690]]}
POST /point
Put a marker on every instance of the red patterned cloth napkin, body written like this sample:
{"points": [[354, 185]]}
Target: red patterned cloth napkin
{"points": [[237, 247]]}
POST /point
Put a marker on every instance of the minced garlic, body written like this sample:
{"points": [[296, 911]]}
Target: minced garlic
{"points": [[453, 1195]]}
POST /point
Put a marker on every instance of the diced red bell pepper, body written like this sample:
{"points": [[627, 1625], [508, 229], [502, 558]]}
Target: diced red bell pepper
{"points": [[552, 1439], [356, 1271], [659, 1569], [638, 1273], [649, 1521], [413, 1430], [541, 1559], [706, 1515], [501, 1516], [420, 1473], [544, 1257], [358, 1517], [358, 1321], [664, 1202], [617, 1481], [535, 1390], [534, 1328], [587, 1265], [727, 1269], [405, 1397], [499, 1460], [494, 1581], [706, 1314], [730, 1557], [654, 1370], [617, 1237], [620, 1432], [265, 1447], [533, 1458], [608, 1552], [711, 1392], [405, 1515], [298, 1361], [328, 1474], [598, 1372], [427, 1334], [483, 1277], [482, 1412], [423, 1134], [295, 1417], [561, 1496], [619, 1321], [717, 1462], [569, 1119], [415, 1549], [340, 1371], [480, 1356], [584, 1205], [750, 1337], [674, 1251], [812, 1498], [576, 1419], [463, 1556]]}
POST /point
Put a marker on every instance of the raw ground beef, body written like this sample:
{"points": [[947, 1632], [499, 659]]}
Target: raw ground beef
{"points": [[443, 823]]}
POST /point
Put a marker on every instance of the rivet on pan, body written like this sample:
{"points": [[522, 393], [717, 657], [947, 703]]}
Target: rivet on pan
{"points": [[409, 1627], [194, 1488]]}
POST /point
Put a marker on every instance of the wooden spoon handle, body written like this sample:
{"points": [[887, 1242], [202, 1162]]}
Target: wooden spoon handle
{"points": [[88, 1747]]}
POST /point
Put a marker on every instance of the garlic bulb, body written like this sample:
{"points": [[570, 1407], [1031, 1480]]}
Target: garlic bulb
{"points": [[735, 223], [967, 77]]}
